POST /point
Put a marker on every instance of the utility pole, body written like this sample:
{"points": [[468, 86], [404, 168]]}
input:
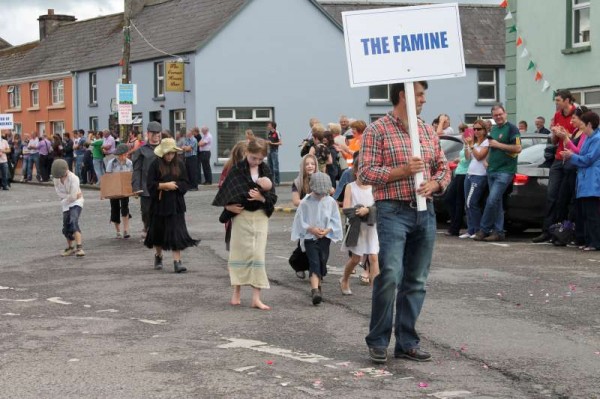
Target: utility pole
{"points": [[125, 77]]}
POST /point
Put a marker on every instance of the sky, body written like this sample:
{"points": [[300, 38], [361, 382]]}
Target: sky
{"points": [[19, 17]]}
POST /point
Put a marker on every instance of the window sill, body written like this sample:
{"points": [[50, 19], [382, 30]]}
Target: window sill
{"points": [[158, 98], [576, 50], [13, 110], [33, 109], [56, 106], [93, 105], [372, 103], [487, 103]]}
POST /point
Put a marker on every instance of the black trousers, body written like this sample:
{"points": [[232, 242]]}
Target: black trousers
{"points": [[191, 164], [455, 203], [145, 208], [556, 180], [205, 163], [45, 166], [591, 216], [118, 207]]}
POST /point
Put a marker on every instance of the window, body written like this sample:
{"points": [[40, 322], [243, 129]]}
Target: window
{"points": [[374, 117], [589, 97], [487, 85], [233, 122], [159, 79], [58, 91], [93, 89], [94, 123], [14, 96], [379, 93], [580, 15], [178, 121], [58, 127], [17, 129], [470, 118], [40, 127], [34, 92]]}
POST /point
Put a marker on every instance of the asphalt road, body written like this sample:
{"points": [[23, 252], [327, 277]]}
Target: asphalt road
{"points": [[513, 320]]}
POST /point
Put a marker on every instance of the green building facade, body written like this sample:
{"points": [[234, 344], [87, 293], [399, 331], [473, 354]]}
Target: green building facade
{"points": [[562, 43]]}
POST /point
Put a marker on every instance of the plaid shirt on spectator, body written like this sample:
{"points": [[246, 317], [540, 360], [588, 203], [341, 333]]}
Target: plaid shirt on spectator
{"points": [[386, 145]]}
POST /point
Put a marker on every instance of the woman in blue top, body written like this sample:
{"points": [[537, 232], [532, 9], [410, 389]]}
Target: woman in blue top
{"points": [[455, 197], [588, 179]]}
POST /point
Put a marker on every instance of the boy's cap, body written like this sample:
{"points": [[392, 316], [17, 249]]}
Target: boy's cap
{"points": [[320, 183], [59, 168], [154, 127], [122, 149]]}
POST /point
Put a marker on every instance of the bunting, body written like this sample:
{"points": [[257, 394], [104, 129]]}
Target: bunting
{"points": [[525, 54]]}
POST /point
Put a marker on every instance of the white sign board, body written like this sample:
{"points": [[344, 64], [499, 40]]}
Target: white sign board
{"points": [[6, 121], [403, 44], [125, 114]]}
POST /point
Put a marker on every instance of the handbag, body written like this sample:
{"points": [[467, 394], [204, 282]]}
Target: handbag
{"points": [[298, 259]]}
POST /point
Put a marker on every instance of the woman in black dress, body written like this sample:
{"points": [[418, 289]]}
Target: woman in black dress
{"points": [[168, 183]]}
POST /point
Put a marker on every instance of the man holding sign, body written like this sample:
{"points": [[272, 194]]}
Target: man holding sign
{"points": [[406, 235]]}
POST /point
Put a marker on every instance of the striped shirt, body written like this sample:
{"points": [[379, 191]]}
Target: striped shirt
{"points": [[386, 145]]}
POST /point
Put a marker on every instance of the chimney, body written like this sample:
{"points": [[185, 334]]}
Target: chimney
{"points": [[50, 22]]}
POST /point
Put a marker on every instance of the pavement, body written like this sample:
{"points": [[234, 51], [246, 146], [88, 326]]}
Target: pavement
{"points": [[504, 320]]}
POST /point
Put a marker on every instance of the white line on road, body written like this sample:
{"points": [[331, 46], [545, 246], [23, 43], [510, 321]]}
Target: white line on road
{"points": [[499, 245], [57, 299], [107, 311], [242, 369], [273, 350], [18, 300], [155, 322], [450, 394]]}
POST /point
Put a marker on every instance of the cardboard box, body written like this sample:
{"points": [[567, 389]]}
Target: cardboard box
{"points": [[116, 185]]}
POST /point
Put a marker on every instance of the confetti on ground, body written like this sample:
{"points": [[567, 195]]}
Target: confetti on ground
{"points": [[57, 299], [285, 384], [73, 360], [597, 353], [499, 294], [358, 374], [463, 348], [269, 362], [343, 364], [485, 366], [423, 385]]}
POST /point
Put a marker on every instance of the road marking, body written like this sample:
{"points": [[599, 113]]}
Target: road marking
{"points": [[57, 299], [155, 322], [107, 311], [259, 346], [18, 300], [242, 369], [11, 314], [6, 288], [449, 394], [499, 245]]}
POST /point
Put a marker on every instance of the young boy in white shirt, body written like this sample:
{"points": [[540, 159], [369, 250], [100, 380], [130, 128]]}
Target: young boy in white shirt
{"points": [[66, 184]]}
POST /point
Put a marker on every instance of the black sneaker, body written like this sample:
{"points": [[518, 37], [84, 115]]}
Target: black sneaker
{"points": [[416, 354], [544, 237], [316, 296], [378, 355], [158, 265]]}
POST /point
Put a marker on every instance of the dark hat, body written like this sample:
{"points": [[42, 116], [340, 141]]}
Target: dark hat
{"points": [[154, 127], [59, 168], [122, 149], [320, 183]]}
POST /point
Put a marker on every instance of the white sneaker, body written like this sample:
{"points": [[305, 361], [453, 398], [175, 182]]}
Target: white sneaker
{"points": [[472, 236], [466, 235]]}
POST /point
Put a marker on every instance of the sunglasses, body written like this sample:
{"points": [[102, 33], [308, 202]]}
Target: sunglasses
{"points": [[478, 129]]}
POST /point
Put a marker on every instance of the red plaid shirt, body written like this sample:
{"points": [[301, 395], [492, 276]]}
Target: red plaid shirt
{"points": [[386, 145]]}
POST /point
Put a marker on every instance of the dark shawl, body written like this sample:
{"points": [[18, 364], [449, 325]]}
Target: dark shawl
{"points": [[237, 184], [167, 203]]}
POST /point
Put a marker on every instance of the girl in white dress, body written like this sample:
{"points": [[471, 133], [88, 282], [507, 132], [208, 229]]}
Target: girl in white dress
{"points": [[360, 196]]}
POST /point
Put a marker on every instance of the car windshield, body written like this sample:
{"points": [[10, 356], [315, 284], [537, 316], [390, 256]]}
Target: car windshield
{"points": [[532, 155], [451, 148]]}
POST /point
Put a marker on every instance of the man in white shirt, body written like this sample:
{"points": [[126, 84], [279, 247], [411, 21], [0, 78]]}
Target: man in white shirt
{"points": [[4, 150], [204, 147]]}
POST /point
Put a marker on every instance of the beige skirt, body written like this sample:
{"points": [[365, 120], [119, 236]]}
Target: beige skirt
{"points": [[247, 249]]}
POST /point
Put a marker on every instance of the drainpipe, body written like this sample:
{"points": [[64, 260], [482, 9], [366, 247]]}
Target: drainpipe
{"points": [[75, 101]]}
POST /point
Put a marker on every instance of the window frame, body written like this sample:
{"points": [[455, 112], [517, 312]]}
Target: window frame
{"points": [[178, 123], [233, 119], [93, 123], [57, 89], [159, 80], [17, 128], [377, 99], [93, 88], [493, 83], [14, 96], [573, 35], [582, 94], [53, 127], [34, 87]]}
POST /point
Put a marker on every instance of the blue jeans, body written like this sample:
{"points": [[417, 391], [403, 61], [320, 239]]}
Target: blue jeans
{"points": [[4, 174], [406, 240], [474, 189], [34, 159], [493, 215], [273, 160], [71, 222], [78, 165], [99, 169]]}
